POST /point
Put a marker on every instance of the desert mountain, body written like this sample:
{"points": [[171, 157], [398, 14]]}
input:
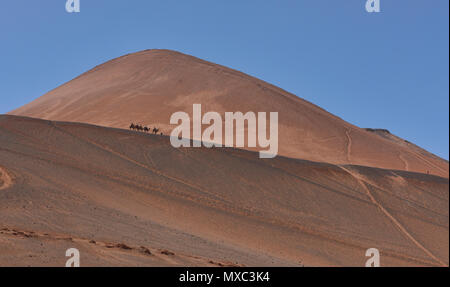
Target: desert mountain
{"points": [[148, 86], [128, 198]]}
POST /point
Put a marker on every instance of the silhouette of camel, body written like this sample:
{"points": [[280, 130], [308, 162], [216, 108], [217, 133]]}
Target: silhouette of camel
{"points": [[146, 129]]}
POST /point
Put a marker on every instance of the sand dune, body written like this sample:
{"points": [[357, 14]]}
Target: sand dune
{"points": [[147, 87], [128, 198]]}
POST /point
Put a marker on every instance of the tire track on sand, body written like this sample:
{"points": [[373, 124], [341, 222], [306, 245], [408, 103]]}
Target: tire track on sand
{"points": [[349, 145], [392, 218], [404, 161]]}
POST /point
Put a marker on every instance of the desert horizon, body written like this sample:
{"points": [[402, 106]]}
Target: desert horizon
{"points": [[224, 143], [123, 197]]}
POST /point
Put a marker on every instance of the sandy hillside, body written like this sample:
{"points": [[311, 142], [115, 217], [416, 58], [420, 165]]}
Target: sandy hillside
{"points": [[128, 198], [148, 86]]}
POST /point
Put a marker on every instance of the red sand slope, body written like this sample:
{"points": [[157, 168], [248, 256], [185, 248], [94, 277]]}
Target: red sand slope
{"points": [[147, 87], [126, 198]]}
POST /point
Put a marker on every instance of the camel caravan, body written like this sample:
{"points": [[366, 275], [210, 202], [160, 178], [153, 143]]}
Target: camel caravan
{"points": [[140, 128]]}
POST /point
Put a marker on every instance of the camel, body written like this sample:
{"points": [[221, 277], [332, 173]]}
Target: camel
{"points": [[146, 129]]}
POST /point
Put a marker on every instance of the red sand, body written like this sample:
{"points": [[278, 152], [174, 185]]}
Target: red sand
{"points": [[127, 198], [147, 87]]}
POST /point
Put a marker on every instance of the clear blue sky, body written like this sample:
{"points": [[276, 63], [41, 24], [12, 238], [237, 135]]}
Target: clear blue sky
{"points": [[388, 70]]}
